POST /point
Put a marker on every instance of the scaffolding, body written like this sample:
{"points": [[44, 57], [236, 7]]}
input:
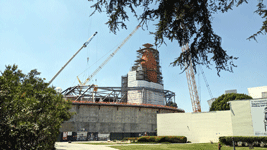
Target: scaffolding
{"points": [[142, 68], [110, 94], [124, 85]]}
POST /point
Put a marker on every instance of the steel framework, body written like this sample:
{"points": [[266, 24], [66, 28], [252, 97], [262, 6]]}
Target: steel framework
{"points": [[190, 75], [109, 94]]}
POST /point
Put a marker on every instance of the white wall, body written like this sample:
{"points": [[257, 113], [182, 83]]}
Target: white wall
{"points": [[256, 92], [241, 118], [248, 117], [133, 96], [259, 116], [197, 127], [245, 118], [137, 96]]}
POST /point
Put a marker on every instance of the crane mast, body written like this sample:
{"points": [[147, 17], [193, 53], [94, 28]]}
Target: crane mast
{"points": [[192, 84], [110, 56], [84, 45]]}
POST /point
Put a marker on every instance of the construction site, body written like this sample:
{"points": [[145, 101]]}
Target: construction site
{"points": [[108, 113], [113, 71]]}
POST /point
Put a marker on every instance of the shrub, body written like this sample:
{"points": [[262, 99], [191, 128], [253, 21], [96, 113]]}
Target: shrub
{"points": [[146, 139], [177, 139], [133, 139], [254, 140], [126, 138], [130, 138], [160, 139], [151, 139]]}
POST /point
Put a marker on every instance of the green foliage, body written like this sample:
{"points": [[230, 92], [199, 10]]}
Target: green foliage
{"points": [[221, 102], [126, 138], [228, 140], [130, 138], [261, 11], [30, 112], [146, 139], [186, 21], [160, 139]]}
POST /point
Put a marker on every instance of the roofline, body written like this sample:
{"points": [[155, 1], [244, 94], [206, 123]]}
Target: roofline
{"points": [[249, 99], [126, 105], [257, 87]]}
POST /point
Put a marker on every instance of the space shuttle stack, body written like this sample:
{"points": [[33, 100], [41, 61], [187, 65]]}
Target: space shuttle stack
{"points": [[146, 73]]}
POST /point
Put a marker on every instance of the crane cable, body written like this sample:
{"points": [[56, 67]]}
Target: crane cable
{"points": [[99, 59], [206, 82], [111, 55]]}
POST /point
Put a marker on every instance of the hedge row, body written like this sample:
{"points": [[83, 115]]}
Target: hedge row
{"points": [[228, 140], [130, 138], [159, 139]]}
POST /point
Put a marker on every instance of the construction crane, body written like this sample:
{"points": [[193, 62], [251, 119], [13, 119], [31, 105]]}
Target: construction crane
{"points": [[110, 56], [192, 84], [84, 45]]}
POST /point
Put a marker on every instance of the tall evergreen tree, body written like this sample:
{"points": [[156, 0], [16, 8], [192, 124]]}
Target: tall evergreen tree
{"points": [[186, 21]]}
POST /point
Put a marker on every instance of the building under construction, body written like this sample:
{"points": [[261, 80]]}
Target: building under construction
{"points": [[117, 112], [146, 73]]}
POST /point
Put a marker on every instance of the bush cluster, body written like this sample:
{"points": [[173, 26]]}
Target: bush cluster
{"points": [[146, 139], [228, 140], [130, 138], [160, 139], [31, 113]]}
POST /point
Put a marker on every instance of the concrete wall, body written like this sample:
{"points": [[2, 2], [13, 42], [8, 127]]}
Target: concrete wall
{"points": [[106, 119], [241, 118], [197, 127]]}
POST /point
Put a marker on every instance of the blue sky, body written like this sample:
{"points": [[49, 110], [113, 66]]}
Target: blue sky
{"points": [[43, 35]]}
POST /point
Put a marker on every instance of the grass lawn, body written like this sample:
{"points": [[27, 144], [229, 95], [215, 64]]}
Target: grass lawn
{"points": [[116, 143], [99, 143], [202, 146]]}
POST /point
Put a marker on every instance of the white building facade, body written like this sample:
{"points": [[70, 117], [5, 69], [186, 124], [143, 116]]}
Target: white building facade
{"points": [[258, 92], [141, 96], [245, 118]]}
